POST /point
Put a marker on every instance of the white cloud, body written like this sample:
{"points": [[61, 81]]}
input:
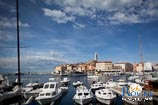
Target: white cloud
{"points": [[11, 23], [78, 26], [128, 11], [119, 17], [58, 15]]}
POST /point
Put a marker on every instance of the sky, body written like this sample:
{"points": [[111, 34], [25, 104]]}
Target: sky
{"points": [[54, 32]]}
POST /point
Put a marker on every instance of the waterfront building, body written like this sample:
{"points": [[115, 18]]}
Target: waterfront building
{"points": [[69, 67], [116, 68], [138, 67], [60, 68], [125, 66], [104, 66], [91, 65], [147, 66], [155, 67]]}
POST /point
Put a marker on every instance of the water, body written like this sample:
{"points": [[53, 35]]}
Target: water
{"points": [[66, 99]]}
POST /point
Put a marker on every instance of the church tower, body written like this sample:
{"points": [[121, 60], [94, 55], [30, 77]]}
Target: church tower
{"points": [[95, 56]]}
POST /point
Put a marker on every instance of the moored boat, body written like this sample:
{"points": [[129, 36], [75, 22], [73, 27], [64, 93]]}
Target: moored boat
{"points": [[83, 95], [105, 96], [50, 93]]}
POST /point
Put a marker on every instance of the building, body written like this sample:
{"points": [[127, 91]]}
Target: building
{"points": [[125, 66], [69, 67], [138, 67], [60, 68], [91, 65], [155, 67], [104, 66], [147, 66], [116, 68]]}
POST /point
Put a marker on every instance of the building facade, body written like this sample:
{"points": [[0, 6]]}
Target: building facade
{"points": [[125, 66], [104, 66], [147, 66]]}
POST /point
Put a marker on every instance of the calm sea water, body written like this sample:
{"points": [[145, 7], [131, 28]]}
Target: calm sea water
{"points": [[67, 98]]}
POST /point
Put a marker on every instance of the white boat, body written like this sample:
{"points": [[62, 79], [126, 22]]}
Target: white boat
{"points": [[50, 93], [77, 83], [97, 86], [65, 81], [105, 96], [3, 81], [83, 95], [64, 88], [110, 84]]}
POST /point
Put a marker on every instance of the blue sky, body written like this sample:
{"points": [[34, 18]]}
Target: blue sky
{"points": [[53, 32]]}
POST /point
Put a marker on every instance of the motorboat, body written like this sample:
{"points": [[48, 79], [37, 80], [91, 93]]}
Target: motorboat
{"points": [[105, 96], [3, 82], [83, 95], [77, 83], [65, 81], [50, 93], [64, 88], [110, 84], [96, 86]]}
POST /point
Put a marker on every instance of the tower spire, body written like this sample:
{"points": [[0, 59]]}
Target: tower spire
{"points": [[95, 56]]}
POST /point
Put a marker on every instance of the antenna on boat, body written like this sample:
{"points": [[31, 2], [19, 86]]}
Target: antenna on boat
{"points": [[18, 41]]}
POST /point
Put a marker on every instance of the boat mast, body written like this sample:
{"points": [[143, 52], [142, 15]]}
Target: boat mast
{"points": [[141, 53], [18, 41]]}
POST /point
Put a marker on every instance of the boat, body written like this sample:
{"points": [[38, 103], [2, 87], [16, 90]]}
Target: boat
{"points": [[77, 83], [83, 95], [105, 96], [65, 81], [96, 86], [50, 93], [64, 88], [110, 84]]}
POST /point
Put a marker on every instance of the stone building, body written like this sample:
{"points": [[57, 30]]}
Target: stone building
{"points": [[104, 66], [125, 66]]}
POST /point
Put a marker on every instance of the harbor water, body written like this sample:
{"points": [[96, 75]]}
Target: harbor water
{"points": [[66, 99]]}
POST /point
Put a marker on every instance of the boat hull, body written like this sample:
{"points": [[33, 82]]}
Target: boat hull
{"points": [[83, 101], [49, 100], [104, 101]]}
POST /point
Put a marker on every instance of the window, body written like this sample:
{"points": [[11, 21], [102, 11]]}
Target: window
{"points": [[79, 94], [46, 86], [41, 94], [86, 94], [47, 94], [51, 85]]}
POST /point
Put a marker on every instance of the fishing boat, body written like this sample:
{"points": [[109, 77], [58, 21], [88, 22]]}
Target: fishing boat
{"points": [[65, 81], [105, 96], [96, 86], [110, 84], [77, 83], [50, 93], [83, 95]]}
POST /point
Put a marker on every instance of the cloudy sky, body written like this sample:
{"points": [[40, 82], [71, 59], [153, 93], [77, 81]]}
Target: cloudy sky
{"points": [[53, 32]]}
